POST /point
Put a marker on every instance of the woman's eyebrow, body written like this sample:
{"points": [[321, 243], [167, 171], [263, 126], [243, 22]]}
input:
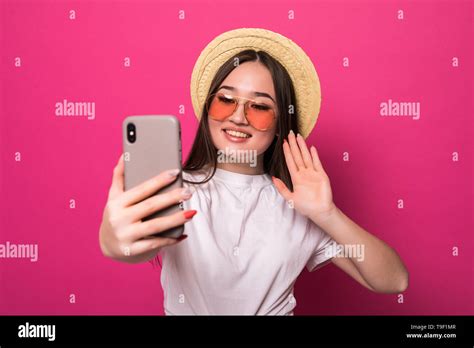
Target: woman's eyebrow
{"points": [[257, 94]]}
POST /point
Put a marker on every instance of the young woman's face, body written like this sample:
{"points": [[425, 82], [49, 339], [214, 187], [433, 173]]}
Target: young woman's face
{"points": [[250, 80]]}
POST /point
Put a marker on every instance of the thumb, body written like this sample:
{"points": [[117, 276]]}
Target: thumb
{"points": [[117, 186], [281, 187]]}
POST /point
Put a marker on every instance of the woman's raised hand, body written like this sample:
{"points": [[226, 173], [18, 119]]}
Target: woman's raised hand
{"points": [[312, 195]]}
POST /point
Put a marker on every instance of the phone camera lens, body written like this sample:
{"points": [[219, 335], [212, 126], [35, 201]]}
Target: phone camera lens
{"points": [[131, 133]]}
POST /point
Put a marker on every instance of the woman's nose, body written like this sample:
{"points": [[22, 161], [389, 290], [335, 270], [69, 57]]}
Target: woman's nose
{"points": [[238, 116]]}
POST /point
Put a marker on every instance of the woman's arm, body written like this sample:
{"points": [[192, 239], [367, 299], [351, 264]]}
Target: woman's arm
{"points": [[380, 269], [376, 266], [349, 268]]}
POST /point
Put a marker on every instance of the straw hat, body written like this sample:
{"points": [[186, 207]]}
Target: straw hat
{"points": [[289, 54]]}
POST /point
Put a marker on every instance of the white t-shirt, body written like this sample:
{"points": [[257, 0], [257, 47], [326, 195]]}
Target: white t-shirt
{"points": [[245, 248]]}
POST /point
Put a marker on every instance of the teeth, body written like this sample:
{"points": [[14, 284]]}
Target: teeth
{"points": [[237, 134]]}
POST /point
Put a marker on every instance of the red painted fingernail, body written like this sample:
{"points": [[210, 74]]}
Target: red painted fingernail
{"points": [[182, 237], [189, 213]]}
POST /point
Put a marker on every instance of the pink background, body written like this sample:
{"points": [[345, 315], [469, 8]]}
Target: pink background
{"points": [[390, 158]]}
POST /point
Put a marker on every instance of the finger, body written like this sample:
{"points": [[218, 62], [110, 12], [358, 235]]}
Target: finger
{"points": [[150, 244], [316, 161], [116, 188], [282, 188], [158, 202], [295, 150], [161, 224], [147, 188], [290, 162], [304, 151]]}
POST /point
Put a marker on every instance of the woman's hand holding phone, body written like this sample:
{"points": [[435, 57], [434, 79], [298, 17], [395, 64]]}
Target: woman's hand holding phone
{"points": [[123, 235]]}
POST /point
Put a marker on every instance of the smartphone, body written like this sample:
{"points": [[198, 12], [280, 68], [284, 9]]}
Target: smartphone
{"points": [[151, 145]]}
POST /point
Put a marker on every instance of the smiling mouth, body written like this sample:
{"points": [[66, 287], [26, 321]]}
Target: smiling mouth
{"points": [[236, 134]]}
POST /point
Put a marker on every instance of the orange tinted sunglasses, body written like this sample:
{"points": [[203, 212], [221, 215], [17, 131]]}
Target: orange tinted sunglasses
{"points": [[259, 115]]}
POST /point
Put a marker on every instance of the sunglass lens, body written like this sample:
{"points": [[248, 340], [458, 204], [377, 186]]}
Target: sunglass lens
{"points": [[260, 117], [221, 107]]}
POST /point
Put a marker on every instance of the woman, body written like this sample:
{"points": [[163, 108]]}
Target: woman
{"points": [[252, 225]]}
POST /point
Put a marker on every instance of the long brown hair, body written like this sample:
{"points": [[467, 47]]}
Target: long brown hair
{"points": [[204, 153]]}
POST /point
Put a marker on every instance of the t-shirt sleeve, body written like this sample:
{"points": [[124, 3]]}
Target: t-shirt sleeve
{"points": [[326, 248]]}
